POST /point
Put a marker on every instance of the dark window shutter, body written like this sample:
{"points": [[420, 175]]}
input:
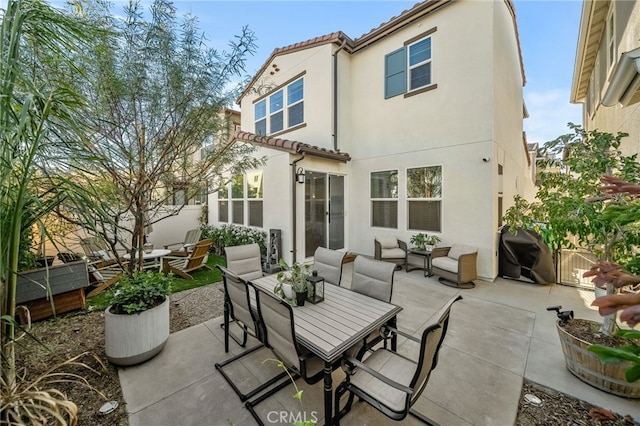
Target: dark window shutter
{"points": [[395, 73]]}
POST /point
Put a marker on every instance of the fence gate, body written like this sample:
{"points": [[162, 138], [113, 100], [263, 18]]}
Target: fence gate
{"points": [[572, 264]]}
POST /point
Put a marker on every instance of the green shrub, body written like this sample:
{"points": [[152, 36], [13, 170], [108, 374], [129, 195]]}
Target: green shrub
{"points": [[234, 235], [140, 291]]}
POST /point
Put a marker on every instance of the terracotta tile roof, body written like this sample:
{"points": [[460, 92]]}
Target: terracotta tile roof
{"points": [[394, 24], [293, 147]]}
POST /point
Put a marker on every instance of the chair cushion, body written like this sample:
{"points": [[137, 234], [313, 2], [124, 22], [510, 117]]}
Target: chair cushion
{"points": [[445, 263], [390, 365], [458, 250], [387, 242], [101, 254], [328, 263], [392, 253]]}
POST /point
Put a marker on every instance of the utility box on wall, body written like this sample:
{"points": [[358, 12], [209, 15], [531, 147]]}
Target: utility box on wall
{"points": [[274, 251]]}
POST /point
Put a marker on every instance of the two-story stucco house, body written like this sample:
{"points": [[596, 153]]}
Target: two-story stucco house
{"points": [[606, 78], [416, 126]]}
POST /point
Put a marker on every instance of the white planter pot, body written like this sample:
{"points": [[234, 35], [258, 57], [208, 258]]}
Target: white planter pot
{"points": [[288, 291], [132, 339]]}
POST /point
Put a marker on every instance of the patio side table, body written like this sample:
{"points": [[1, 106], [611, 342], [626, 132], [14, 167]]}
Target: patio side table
{"points": [[426, 261]]}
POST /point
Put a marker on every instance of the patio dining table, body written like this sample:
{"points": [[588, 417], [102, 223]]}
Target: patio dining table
{"points": [[329, 328]]}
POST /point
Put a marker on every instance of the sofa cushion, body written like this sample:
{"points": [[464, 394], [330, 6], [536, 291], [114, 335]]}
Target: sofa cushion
{"points": [[445, 263], [458, 250], [392, 253], [387, 242]]}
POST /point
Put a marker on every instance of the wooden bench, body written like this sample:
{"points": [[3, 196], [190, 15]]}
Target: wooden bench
{"points": [[67, 283]]}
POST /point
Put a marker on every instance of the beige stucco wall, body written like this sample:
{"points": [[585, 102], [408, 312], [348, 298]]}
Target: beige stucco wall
{"points": [[617, 118], [474, 113]]}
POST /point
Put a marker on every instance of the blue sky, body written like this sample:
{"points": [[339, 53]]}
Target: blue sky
{"points": [[548, 36]]}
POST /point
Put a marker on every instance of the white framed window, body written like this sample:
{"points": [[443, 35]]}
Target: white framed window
{"points": [[254, 198], [611, 37], [419, 64], [424, 198], [281, 110], [244, 193], [223, 204], [237, 200], [384, 199], [409, 69], [260, 113], [207, 147]]}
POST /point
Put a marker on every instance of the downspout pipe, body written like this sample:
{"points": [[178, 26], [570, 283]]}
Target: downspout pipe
{"points": [[335, 95], [294, 164]]}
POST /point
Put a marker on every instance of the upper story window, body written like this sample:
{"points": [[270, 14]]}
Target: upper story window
{"points": [[408, 69], [611, 37], [272, 115], [207, 147], [260, 113]]}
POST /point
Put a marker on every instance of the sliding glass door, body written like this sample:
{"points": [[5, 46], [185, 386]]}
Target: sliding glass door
{"points": [[324, 211]]}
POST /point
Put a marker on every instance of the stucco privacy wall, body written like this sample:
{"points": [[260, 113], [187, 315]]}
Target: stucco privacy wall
{"points": [[618, 119]]}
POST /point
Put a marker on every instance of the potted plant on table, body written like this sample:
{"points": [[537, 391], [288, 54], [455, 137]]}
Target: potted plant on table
{"points": [[292, 282], [137, 321], [425, 242]]}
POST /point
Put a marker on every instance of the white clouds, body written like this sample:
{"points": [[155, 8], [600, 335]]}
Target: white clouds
{"points": [[549, 113]]}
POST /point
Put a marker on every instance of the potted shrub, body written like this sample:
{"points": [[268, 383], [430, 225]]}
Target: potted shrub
{"points": [[136, 324], [425, 242], [292, 282]]}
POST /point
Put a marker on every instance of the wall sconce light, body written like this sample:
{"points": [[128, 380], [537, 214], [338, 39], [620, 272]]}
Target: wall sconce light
{"points": [[300, 175]]}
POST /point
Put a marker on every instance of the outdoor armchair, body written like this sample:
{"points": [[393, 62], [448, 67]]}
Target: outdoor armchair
{"points": [[390, 382], [182, 266], [390, 249], [95, 248], [183, 247], [328, 263], [103, 274], [456, 265]]}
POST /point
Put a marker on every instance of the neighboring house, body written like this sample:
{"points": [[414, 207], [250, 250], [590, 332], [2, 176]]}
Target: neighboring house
{"points": [[606, 77], [413, 127], [174, 227]]}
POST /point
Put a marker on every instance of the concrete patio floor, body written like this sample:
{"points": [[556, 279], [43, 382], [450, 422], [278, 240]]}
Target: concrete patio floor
{"points": [[499, 333]]}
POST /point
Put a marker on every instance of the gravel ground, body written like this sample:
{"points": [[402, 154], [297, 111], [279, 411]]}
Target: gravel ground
{"points": [[195, 306]]}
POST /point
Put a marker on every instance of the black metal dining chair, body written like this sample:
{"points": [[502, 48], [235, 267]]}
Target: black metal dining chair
{"points": [[276, 316], [238, 309], [391, 382], [373, 278]]}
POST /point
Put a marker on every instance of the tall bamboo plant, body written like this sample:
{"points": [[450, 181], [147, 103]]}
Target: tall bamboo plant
{"points": [[41, 119]]}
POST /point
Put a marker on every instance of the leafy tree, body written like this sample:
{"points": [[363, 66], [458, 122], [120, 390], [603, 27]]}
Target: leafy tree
{"points": [[157, 94], [570, 208], [41, 125]]}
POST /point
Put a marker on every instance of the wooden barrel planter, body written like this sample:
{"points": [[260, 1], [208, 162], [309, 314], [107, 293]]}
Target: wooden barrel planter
{"points": [[586, 366]]}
